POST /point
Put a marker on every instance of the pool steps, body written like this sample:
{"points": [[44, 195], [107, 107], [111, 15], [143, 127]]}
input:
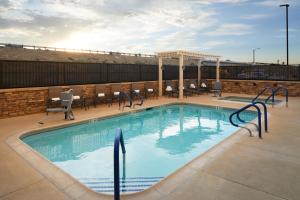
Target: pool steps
{"points": [[127, 185]]}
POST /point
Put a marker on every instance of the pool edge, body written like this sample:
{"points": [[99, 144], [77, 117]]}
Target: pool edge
{"points": [[67, 183]]}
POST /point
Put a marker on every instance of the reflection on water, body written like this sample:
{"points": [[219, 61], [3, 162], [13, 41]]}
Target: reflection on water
{"points": [[167, 136]]}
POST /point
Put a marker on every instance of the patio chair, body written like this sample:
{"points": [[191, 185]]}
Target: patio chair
{"points": [[217, 89], [204, 86], [137, 94], [78, 95], [193, 87], [66, 100], [150, 90], [171, 88], [116, 90], [53, 96], [102, 95]]}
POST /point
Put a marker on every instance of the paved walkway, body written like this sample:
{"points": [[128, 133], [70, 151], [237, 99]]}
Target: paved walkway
{"points": [[249, 168]]}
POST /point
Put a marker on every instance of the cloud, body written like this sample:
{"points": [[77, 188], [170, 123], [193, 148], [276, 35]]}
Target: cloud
{"points": [[207, 2], [213, 44], [231, 30], [273, 3], [256, 16]]}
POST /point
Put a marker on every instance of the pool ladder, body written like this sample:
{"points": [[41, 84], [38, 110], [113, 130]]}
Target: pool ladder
{"points": [[258, 125], [273, 91], [118, 141]]}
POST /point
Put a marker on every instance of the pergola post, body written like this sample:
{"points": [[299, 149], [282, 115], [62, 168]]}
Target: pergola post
{"points": [[181, 77], [218, 70], [160, 75], [199, 72]]}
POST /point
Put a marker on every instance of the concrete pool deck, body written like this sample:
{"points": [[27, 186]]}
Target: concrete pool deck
{"points": [[248, 168]]}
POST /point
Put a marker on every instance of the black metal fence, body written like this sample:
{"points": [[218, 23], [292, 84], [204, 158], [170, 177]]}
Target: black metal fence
{"points": [[15, 74]]}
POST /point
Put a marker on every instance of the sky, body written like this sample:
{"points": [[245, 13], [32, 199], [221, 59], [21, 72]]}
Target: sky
{"points": [[229, 28]]}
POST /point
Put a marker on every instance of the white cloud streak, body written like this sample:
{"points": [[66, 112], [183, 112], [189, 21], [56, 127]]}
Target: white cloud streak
{"points": [[256, 16], [231, 30]]}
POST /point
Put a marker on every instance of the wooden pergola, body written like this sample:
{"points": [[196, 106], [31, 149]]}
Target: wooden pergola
{"points": [[184, 55]]}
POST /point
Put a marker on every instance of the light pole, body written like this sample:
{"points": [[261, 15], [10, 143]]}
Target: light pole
{"points": [[254, 54], [287, 31]]}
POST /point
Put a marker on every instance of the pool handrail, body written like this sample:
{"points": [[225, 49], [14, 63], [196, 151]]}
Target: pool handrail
{"points": [[274, 92], [267, 88], [245, 108], [265, 115], [118, 141]]}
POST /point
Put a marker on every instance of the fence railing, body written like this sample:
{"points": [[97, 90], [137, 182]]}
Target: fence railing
{"points": [[16, 74], [33, 47]]}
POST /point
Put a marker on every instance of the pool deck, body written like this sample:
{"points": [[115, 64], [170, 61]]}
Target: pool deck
{"points": [[241, 167]]}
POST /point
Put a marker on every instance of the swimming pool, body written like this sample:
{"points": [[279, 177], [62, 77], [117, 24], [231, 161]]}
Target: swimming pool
{"points": [[158, 142], [247, 99]]}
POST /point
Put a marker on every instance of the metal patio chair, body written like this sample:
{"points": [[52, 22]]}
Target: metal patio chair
{"points": [[78, 95], [53, 96], [116, 90], [66, 100], [204, 86], [171, 89], [150, 90], [217, 89], [102, 95]]}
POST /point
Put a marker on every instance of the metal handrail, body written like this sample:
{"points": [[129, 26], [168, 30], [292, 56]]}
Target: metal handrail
{"points": [[268, 88], [245, 108], [118, 140], [274, 93], [265, 115]]}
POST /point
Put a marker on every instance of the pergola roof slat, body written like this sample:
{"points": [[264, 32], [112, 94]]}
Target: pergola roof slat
{"points": [[189, 54]]}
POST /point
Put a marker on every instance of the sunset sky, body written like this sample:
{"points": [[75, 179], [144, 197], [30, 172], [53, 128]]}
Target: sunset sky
{"points": [[230, 28]]}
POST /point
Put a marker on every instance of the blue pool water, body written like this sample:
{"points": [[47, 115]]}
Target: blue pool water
{"points": [[158, 141]]}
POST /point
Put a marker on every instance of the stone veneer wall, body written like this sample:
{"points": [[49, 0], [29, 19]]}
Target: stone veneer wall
{"points": [[23, 101], [253, 87]]}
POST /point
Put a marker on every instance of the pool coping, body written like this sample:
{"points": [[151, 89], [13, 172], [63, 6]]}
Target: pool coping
{"points": [[74, 189], [280, 104]]}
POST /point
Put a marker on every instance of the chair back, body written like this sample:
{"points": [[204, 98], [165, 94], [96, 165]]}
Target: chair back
{"points": [[217, 85], [67, 99]]}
